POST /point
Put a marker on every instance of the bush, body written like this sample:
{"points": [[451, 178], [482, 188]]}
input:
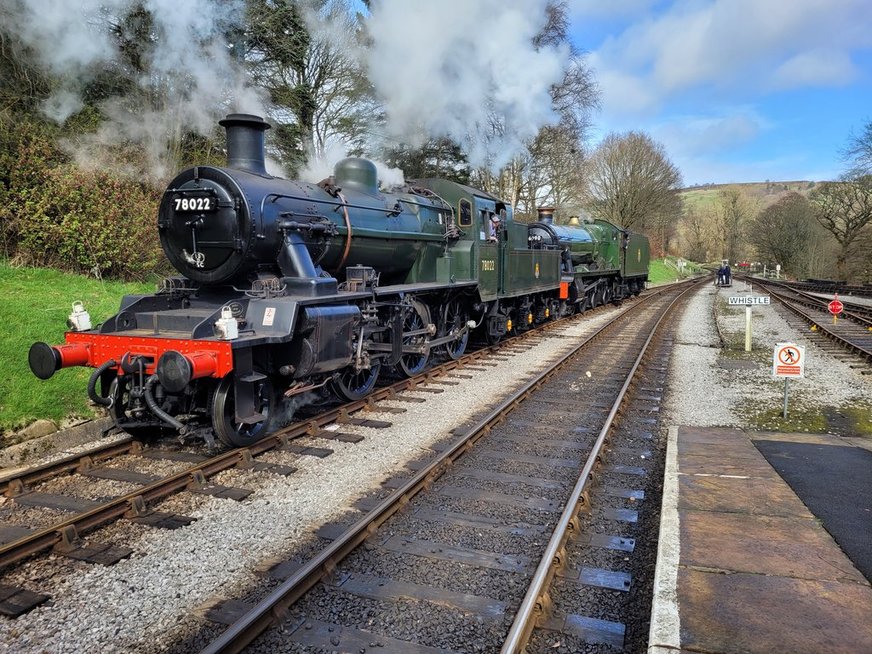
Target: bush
{"points": [[55, 214], [93, 223]]}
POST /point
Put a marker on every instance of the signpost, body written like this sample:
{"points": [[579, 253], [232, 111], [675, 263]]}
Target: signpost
{"points": [[788, 360], [836, 307], [748, 302]]}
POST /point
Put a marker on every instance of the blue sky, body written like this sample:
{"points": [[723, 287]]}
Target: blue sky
{"points": [[736, 90]]}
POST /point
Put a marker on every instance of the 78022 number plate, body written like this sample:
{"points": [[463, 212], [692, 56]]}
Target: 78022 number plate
{"points": [[195, 203]]}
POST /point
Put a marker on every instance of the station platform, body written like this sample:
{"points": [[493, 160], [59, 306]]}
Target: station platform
{"points": [[746, 560]]}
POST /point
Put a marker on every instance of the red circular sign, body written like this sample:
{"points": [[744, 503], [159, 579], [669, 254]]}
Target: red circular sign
{"points": [[835, 307]]}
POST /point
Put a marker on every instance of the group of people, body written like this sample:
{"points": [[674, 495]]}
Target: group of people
{"points": [[724, 275]]}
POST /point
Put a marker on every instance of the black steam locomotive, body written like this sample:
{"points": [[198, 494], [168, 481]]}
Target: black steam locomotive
{"points": [[289, 288]]}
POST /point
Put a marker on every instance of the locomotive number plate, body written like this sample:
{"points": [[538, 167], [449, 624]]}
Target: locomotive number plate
{"points": [[195, 203]]}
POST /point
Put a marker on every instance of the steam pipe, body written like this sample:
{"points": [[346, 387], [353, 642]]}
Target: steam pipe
{"points": [[294, 259], [92, 384], [156, 410]]}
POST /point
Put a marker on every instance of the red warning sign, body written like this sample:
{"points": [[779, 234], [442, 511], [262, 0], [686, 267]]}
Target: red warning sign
{"points": [[836, 307], [788, 360]]}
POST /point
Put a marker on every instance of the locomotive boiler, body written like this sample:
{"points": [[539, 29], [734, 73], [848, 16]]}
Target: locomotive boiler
{"points": [[289, 288]]}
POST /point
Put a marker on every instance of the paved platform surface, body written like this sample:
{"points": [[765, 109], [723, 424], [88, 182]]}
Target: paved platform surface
{"points": [[743, 565]]}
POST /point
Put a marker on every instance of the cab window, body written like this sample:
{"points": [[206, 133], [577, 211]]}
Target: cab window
{"points": [[465, 213]]}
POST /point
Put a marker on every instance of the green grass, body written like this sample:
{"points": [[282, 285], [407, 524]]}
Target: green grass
{"points": [[665, 270], [34, 307]]}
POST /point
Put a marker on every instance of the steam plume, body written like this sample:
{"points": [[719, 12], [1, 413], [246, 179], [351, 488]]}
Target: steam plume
{"points": [[465, 70], [190, 62]]}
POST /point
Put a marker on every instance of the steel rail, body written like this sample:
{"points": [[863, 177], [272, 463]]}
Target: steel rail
{"points": [[11, 483], [275, 606], [858, 312], [533, 605], [135, 502], [842, 289], [820, 325]]}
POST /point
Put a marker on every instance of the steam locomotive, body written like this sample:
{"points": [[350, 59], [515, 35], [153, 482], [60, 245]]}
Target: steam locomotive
{"points": [[289, 288]]}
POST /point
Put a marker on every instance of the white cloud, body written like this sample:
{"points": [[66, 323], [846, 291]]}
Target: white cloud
{"points": [[701, 135], [822, 67], [744, 45]]}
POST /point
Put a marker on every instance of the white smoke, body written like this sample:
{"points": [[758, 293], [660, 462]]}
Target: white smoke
{"points": [[465, 70], [190, 63]]}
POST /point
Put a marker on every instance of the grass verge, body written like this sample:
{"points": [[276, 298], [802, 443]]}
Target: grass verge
{"points": [[35, 306], [666, 270]]}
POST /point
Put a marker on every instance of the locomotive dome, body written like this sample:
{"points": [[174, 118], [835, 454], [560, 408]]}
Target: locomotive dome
{"points": [[357, 174]]}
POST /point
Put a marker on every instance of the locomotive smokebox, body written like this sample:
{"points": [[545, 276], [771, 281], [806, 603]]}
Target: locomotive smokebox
{"points": [[546, 215], [245, 149]]}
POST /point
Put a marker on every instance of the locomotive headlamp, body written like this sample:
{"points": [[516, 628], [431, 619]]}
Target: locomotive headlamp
{"points": [[176, 370]]}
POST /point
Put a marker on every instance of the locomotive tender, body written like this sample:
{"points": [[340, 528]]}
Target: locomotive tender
{"points": [[289, 288]]}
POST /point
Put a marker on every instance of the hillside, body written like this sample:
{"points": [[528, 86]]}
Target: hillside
{"points": [[764, 193]]}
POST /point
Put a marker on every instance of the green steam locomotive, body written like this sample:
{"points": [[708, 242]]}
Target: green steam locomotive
{"points": [[290, 288]]}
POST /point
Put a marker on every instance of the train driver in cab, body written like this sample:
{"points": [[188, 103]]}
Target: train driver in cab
{"points": [[497, 218], [493, 227]]}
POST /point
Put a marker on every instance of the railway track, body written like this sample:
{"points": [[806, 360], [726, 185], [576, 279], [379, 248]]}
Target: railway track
{"points": [[830, 287], [462, 553], [71, 517], [852, 332]]}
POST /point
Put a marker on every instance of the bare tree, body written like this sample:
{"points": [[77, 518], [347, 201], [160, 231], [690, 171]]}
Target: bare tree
{"points": [[858, 153], [632, 182], [733, 212], [697, 231], [318, 87], [844, 208], [782, 232]]}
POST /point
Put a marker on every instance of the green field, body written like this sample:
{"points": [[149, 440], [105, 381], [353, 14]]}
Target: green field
{"points": [[36, 304], [706, 198]]}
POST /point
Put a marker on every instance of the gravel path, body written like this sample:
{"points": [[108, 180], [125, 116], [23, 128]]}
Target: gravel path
{"points": [[714, 387], [147, 602]]}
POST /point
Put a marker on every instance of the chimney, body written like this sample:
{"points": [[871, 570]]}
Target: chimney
{"points": [[245, 142], [546, 215]]}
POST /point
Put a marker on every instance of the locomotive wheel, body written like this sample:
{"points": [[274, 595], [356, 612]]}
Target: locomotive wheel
{"points": [[454, 317], [417, 318], [354, 386], [223, 413]]}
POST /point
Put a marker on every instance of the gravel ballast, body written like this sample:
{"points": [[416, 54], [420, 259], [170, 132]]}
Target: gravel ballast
{"points": [[149, 601], [711, 386]]}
